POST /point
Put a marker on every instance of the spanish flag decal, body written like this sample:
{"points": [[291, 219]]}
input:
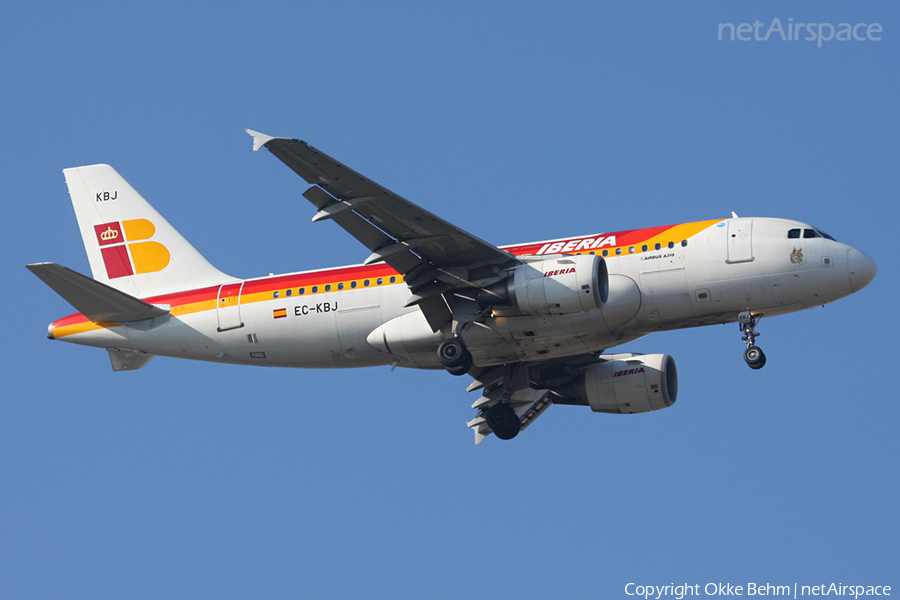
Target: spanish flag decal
{"points": [[279, 313]]}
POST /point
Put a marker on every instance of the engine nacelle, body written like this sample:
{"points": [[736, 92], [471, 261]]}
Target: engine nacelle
{"points": [[556, 286], [626, 383]]}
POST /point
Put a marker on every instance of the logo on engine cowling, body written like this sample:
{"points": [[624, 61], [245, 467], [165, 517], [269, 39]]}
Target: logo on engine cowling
{"points": [[628, 372], [559, 272]]}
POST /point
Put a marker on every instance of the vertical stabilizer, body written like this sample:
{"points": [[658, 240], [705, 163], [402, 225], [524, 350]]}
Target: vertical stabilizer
{"points": [[129, 245]]}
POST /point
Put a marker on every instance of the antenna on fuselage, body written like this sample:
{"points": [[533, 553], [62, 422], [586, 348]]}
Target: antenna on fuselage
{"points": [[734, 215]]}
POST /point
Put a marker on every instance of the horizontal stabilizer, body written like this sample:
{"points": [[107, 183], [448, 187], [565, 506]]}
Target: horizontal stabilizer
{"points": [[95, 300]]}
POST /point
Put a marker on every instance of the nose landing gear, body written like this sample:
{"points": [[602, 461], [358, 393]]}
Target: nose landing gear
{"points": [[754, 355]]}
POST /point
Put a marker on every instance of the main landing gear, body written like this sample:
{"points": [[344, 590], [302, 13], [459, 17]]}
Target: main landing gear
{"points": [[500, 416], [455, 357], [503, 421], [754, 355]]}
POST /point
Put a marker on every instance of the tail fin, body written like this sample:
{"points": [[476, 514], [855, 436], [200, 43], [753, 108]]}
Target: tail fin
{"points": [[129, 245]]}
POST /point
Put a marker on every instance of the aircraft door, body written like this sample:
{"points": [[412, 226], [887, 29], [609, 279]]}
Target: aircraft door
{"points": [[228, 306], [740, 240]]}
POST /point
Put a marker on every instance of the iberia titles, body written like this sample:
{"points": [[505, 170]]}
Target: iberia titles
{"points": [[556, 272], [578, 245]]}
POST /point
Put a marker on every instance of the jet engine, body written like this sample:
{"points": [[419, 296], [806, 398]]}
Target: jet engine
{"points": [[624, 384], [557, 286]]}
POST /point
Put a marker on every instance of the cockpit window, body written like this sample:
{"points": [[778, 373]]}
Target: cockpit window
{"points": [[810, 233], [825, 235]]}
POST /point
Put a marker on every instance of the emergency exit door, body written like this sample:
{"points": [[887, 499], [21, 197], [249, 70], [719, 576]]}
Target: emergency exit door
{"points": [[228, 306]]}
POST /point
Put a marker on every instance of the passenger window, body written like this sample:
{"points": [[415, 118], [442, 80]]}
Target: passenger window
{"points": [[393, 279], [274, 294], [671, 244], [683, 243], [657, 246], [366, 283], [606, 253], [618, 251], [302, 291], [289, 292], [327, 287], [352, 284], [644, 248], [315, 289], [793, 234], [341, 285], [630, 249], [379, 281]]}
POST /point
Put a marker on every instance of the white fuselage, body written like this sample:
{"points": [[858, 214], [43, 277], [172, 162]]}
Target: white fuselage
{"points": [[730, 266]]}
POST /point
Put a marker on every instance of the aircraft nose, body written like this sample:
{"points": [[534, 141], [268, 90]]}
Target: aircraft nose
{"points": [[862, 269]]}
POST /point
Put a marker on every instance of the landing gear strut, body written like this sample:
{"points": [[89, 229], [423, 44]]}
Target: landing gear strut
{"points": [[454, 356], [754, 355], [502, 417]]}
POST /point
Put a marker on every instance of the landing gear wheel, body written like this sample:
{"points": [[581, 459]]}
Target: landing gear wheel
{"points": [[755, 357], [463, 368], [753, 354], [454, 355], [503, 421]]}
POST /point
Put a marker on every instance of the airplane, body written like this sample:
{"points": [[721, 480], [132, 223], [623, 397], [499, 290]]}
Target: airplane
{"points": [[530, 323]]}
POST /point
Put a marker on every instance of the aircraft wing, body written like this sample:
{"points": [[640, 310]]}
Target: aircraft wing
{"points": [[433, 255]]}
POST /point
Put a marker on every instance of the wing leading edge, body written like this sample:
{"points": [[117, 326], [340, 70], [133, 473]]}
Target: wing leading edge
{"points": [[434, 256]]}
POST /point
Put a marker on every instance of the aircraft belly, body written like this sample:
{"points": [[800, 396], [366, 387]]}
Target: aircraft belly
{"points": [[505, 339], [665, 295], [191, 336]]}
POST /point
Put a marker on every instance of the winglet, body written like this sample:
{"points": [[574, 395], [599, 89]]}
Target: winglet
{"points": [[259, 139]]}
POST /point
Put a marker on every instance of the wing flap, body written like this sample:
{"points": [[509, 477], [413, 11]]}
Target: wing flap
{"points": [[95, 300]]}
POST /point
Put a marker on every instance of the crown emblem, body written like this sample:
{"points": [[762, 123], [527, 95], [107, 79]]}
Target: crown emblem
{"points": [[109, 234]]}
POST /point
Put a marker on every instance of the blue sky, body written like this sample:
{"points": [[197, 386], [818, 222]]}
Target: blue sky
{"points": [[517, 122]]}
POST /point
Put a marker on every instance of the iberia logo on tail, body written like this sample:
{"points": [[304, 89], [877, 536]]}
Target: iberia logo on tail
{"points": [[125, 249]]}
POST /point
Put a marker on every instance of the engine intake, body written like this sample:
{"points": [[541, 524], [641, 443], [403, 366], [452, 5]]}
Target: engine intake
{"points": [[558, 286], [625, 384]]}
